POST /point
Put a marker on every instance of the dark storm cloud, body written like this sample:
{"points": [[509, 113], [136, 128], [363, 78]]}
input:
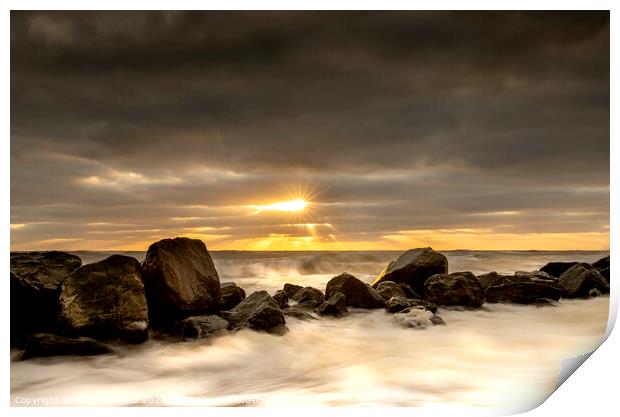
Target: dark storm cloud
{"points": [[403, 121]]}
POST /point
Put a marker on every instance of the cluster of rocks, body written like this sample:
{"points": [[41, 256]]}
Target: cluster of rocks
{"points": [[59, 306]]}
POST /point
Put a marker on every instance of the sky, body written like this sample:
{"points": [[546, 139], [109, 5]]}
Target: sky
{"points": [[310, 131]]}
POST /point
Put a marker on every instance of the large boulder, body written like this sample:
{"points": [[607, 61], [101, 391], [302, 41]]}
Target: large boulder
{"points": [[336, 306], [44, 344], [36, 279], [389, 289], [258, 311], [557, 268], [198, 327], [231, 294], [602, 266], [309, 297], [105, 300], [580, 280], [414, 267], [456, 289], [291, 289], [357, 293], [180, 280], [522, 292]]}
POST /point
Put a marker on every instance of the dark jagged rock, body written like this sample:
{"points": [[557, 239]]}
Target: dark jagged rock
{"points": [[389, 289], [557, 268], [602, 266], [456, 289], [414, 267], [231, 294], [198, 327], [291, 289], [258, 311], [579, 280], [336, 306], [297, 313], [409, 292], [281, 298], [309, 297], [35, 282], [105, 300], [44, 344], [180, 280], [522, 292], [536, 276], [398, 304], [489, 279], [358, 294]]}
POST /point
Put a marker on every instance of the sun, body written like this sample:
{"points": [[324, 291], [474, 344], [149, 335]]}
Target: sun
{"points": [[296, 205]]}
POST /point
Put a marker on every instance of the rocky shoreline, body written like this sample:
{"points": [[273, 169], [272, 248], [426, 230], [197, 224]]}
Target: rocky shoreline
{"points": [[61, 307]]}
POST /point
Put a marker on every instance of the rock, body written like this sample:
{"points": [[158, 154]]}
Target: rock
{"points": [[456, 289], [357, 293], [540, 276], [259, 311], [557, 268], [281, 298], [522, 292], [44, 344], [602, 266], [389, 289], [35, 282], [493, 278], [105, 300], [489, 279], [291, 289], [545, 302], [198, 327], [414, 267], [409, 292], [417, 318], [231, 294], [398, 304], [309, 297], [297, 313], [578, 280], [180, 280], [336, 306]]}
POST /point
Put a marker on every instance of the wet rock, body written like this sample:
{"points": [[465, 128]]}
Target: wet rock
{"points": [[281, 298], [545, 302], [336, 306], [297, 313], [258, 311], [389, 289], [580, 279], [291, 289], [198, 327], [417, 318], [358, 294], [180, 280], [527, 292], [602, 266], [398, 304], [409, 292], [535, 276], [456, 289], [309, 297], [35, 283], [414, 267], [44, 344], [105, 300], [557, 268], [231, 294]]}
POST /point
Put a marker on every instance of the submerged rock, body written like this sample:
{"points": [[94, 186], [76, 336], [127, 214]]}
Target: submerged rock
{"points": [[389, 289], [557, 268], [309, 297], [36, 279], [44, 344], [602, 266], [336, 306], [358, 294], [297, 313], [417, 318], [398, 304], [258, 311], [231, 294], [456, 289], [414, 267], [105, 300], [522, 292], [580, 279], [198, 327], [180, 280], [291, 289], [281, 298]]}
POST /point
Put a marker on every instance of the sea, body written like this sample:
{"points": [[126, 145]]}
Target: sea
{"points": [[502, 356]]}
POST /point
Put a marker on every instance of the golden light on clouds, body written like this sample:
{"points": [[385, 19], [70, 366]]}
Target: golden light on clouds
{"points": [[295, 205]]}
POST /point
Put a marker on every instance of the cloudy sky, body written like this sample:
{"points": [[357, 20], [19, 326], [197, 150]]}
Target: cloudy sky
{"points": [[454, 130]]}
